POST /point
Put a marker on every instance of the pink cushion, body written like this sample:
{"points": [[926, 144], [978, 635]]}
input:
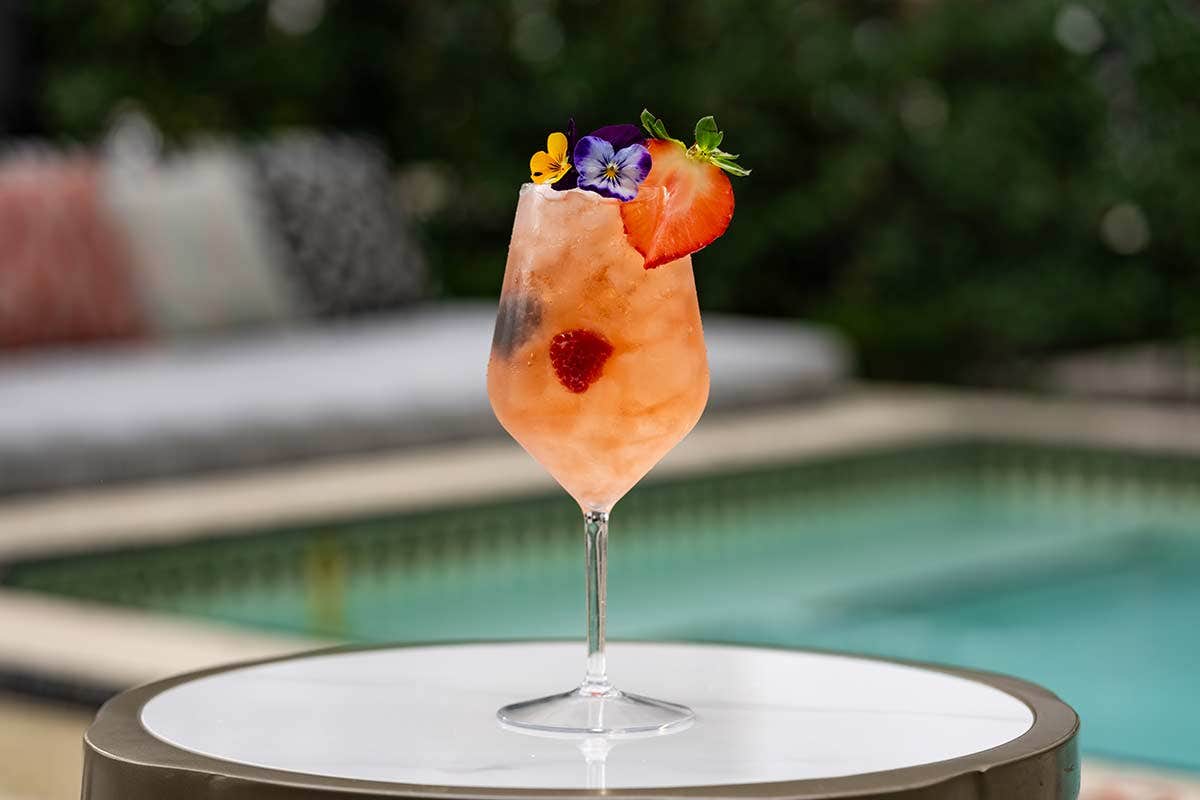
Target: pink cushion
{"points": [[65, 272]]}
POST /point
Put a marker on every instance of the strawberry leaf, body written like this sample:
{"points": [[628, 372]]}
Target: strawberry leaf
{"points": [[657, 128], [727, 163], [707, 135], [708, 141]]}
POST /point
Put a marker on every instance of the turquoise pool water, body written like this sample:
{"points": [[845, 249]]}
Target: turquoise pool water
{"points": [[1076, 569]]}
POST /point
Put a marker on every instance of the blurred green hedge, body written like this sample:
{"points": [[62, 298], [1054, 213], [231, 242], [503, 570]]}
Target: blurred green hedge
{"points": [[956, 184]]}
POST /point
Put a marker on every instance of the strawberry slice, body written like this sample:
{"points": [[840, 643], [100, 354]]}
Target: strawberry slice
{"points": [[683, 205], [686, 201], [578, 358]]}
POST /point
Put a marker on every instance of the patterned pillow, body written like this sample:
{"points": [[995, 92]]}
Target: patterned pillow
{"points": [[65, 271], [337, 210], [204, 259], [204, 241]]}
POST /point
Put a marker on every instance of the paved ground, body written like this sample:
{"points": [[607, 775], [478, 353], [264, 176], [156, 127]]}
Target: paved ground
{"points": [[40, 751], [1105, 782]]}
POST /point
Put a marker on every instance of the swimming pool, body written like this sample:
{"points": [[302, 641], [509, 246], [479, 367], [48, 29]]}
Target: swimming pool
{"points": [[1077, 568]]}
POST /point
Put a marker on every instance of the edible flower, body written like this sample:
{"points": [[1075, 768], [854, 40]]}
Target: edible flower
{"points": [[620, 136], [567, 181], [609, 172], [548, 165]]}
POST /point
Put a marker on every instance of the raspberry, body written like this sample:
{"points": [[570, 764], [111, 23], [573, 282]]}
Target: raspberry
{"points": [[578, 357]]}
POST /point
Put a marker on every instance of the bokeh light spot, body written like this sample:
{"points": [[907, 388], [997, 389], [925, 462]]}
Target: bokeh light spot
{"points": [[132, 135], [180, 22], [296, 17], [1125, 229], [871, 38], [1078, 29], [924, 109], [537, 37], [425, 188]]}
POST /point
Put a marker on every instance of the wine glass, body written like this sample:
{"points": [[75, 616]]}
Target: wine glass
{"points": [[598, 368]]}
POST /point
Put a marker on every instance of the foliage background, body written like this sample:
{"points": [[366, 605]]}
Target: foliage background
{"points": [[953, 183]]}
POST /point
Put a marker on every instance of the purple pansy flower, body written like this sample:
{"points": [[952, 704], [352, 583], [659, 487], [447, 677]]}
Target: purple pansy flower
{"points": [[610, 172], [619, 136]]}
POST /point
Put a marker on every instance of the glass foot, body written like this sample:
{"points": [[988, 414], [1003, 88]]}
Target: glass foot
{"points": [[610, 713]]}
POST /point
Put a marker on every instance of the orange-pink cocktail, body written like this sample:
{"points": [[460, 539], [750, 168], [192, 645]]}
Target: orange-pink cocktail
{"points": [[597, 422]]}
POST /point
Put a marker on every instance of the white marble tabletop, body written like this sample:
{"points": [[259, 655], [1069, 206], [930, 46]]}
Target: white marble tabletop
{"points": [[426, 715]]}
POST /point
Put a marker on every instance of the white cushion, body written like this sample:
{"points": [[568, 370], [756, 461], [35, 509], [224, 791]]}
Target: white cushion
{"points": [[135, 411]]}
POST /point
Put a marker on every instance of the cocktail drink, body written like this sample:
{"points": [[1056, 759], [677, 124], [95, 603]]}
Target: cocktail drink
{"points": [[598, 366]]}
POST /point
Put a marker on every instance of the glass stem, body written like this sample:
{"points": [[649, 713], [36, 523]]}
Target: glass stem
{"points": [[595, 528]]}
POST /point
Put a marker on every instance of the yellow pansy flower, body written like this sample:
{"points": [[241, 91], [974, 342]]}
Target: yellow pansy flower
{"points": [[550, 164]]}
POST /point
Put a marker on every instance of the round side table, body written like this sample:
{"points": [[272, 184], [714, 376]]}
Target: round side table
{"points": [[419, 722]]}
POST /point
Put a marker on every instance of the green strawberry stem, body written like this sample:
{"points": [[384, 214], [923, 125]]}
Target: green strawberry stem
{"points": [[707, 147]]}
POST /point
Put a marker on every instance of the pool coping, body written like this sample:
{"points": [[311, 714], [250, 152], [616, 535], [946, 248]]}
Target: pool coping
{"points": [[177, 509], [80, 652], [101, 647]]}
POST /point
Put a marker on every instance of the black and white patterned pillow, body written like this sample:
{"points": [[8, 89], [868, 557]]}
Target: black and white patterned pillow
{"points": [[348, 240]]}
